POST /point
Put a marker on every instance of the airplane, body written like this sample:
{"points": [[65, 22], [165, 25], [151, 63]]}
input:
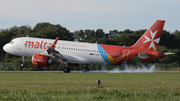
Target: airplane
{"points": [[44, 52]]}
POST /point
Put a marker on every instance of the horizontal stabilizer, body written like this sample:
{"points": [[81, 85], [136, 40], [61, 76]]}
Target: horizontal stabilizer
{"points": [[144, 55], [169, 53]]}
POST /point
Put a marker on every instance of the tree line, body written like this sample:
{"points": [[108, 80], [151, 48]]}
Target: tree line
{"points": [[169, 42]]}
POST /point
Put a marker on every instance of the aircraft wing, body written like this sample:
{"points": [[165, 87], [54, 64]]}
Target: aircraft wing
{"points": [[64, 57], [55, 54]]}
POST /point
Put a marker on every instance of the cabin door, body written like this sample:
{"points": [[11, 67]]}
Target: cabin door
{"points": [[19, 45], [126, 54]]}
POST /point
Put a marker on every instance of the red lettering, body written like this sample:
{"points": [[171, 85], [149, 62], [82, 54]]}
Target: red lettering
{"points": [[45, 45], [29, 44], [41, 45], [50, 44], [36, 45]]}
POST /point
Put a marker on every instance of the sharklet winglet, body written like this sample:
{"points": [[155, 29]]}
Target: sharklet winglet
{"points": [[54, 44]]}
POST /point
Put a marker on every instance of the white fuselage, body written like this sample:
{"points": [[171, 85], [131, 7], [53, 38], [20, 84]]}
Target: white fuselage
{"points": [[27, 46]]}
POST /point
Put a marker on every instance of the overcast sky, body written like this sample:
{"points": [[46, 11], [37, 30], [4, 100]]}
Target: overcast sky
{"points": [[91, 14]]}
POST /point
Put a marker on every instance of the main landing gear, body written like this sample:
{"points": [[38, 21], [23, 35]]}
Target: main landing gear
{"points": [[67, 69], [85, 69]]}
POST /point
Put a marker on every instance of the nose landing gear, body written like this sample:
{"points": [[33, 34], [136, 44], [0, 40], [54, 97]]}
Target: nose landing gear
{"points": [[23, 60]]}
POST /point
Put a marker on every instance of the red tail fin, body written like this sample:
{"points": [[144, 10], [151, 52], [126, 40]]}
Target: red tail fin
{"points": [[150, 39]]}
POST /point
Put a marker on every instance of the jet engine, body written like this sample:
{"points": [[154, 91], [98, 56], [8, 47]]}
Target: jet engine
{"points": [[41, 60]]}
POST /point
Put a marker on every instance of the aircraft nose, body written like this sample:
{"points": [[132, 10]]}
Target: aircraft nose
{"points": [[6, 48]]}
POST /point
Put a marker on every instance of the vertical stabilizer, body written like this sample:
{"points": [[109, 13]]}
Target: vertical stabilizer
{"points": [[150, 39]]}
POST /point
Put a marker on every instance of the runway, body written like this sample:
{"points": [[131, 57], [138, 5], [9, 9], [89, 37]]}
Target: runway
{"points": [[93, 71]]}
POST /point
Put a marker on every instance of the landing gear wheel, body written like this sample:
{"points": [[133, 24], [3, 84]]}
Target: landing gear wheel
{"points": [[85, 69], [67, 69]]}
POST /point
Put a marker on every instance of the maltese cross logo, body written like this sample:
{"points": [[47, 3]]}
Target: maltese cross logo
{"points": [[148, 39]]}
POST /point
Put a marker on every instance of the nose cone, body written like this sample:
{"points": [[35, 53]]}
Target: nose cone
{"points": [[8, 48], [5, 47]]}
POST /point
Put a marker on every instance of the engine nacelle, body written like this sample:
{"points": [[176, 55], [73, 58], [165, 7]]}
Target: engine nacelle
{"points": [[41, 60]]}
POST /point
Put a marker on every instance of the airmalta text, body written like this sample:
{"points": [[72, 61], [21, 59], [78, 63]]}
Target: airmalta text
{"points": [[37, 45]]}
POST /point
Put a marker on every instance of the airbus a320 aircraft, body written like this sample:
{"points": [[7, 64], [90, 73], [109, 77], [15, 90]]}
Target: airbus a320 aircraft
{"points": [[45, 51]]}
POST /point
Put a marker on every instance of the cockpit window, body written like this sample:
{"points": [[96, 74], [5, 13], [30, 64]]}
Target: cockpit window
{"points": [[11, 42]]}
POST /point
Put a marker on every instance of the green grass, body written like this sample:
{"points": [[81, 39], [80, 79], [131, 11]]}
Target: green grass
{"points": [[58, 86]]}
